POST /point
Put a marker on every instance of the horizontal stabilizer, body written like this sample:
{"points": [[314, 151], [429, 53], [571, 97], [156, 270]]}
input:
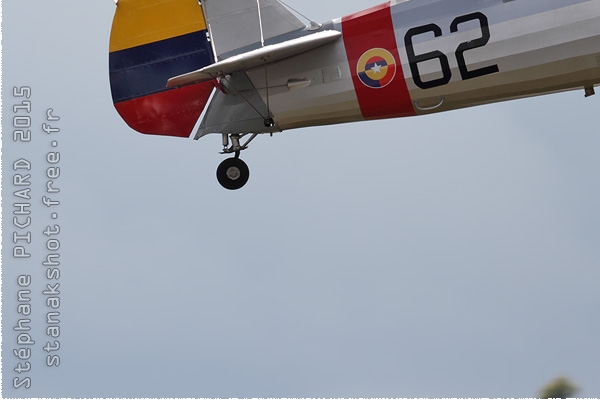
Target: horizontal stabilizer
{"points": [[255, 58]]}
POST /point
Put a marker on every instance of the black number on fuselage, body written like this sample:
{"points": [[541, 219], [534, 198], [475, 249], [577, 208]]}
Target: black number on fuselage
{"points": [[415, 59], [473, 44]]}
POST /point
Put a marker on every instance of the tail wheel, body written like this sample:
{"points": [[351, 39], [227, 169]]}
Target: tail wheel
{"points": [[233, 173]]}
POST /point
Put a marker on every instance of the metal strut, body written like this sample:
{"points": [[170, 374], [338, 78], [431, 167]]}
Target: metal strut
{"points": [[269, 122], [236, 145], [260, 25]]}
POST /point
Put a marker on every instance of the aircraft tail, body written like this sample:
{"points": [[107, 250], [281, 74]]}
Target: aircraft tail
{"points": [[150, 42]]}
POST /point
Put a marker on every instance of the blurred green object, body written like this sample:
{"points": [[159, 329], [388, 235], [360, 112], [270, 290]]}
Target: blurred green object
{"points": [[559, 388]]}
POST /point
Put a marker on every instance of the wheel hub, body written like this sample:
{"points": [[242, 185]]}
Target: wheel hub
{"points": [[233, 173]]}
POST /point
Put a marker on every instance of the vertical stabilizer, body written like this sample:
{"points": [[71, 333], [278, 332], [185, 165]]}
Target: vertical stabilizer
{"points": [[150, 42]]}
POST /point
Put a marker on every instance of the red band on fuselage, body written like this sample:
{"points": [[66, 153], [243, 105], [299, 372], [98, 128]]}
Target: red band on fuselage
{"points": [[380, 86]]}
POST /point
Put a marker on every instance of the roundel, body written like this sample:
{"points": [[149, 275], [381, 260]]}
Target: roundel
{"points": [[376, 68]]}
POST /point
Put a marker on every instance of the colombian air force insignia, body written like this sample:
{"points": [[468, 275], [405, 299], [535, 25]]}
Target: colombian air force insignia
{"points": [[376, 68]]}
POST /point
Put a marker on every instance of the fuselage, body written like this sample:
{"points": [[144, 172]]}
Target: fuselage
{"points": [[399, 59], [415, 57]]}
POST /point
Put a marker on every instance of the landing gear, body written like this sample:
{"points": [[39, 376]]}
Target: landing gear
{"points": [[233, 173]]}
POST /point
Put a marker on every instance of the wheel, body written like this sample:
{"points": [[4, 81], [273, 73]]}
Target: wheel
{"points": [[233, 173]]}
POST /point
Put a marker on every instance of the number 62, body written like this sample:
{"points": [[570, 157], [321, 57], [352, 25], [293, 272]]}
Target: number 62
{"points": [[416, 59]]}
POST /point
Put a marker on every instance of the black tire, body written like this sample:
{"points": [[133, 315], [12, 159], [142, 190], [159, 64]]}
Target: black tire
{"points": [[233, 173]]}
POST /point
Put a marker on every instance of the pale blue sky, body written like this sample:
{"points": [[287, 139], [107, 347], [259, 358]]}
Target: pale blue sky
{"points": [[454, 255]]}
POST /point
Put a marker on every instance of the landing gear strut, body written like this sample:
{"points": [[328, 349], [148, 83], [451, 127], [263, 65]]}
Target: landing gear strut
{"points": [[233, 173]]}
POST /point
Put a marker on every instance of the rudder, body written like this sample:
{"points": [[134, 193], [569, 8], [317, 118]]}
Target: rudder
{"points": [[150, 42]]}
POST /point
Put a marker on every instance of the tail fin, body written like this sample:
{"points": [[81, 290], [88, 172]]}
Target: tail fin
{"points": [[150, 42]]}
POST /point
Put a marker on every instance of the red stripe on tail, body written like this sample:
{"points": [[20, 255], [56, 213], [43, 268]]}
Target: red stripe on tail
{"points": [[173, 112]]}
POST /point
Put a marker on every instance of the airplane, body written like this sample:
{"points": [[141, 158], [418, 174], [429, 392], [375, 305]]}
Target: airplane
{"points": [[242, 68]]}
